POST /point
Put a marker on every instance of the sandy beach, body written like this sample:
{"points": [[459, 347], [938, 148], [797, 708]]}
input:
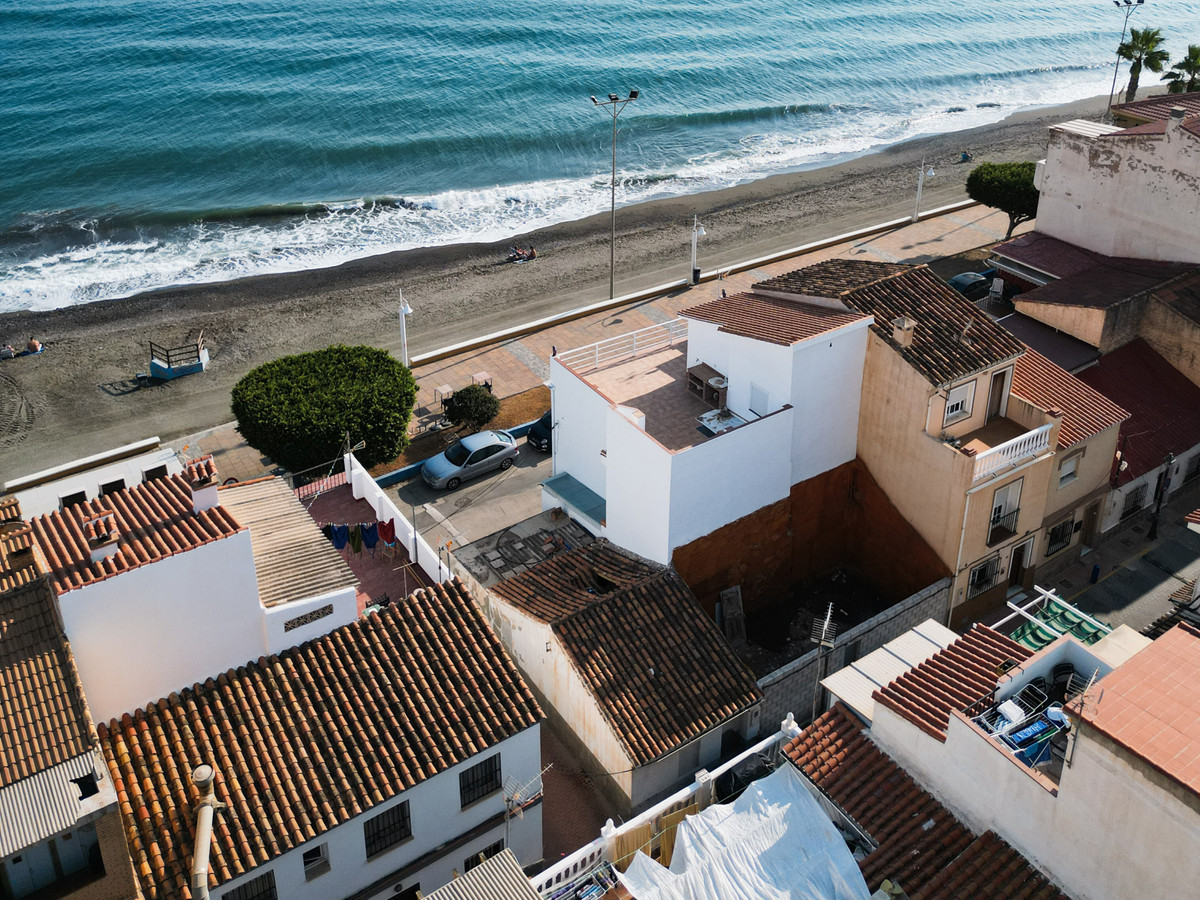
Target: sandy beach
{"points": [[79, 398]]}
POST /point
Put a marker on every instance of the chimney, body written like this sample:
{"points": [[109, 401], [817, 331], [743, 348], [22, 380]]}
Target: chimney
{"points": [[201, 476], [1175, 121], [203, 777], [103, 536], [902, 331]]}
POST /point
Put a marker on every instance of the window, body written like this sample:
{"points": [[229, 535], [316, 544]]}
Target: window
{"points": [[958, 402], [479, 780], [1060, 536], [316, 861], [1068, 470], [156, 472], [1134, 501], [260, 888], [486, 853], [983, 576], [1006, 508], [387, 829], [72, 499], [759, 400], [112, 487]]}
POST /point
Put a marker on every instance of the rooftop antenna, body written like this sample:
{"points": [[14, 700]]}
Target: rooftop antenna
{"points": [[1083, 699], [823, 633], [517, 795]]}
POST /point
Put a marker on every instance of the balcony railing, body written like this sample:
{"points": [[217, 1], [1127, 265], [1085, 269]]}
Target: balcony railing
{"points": [[626, 346], [983, 577], [1002, 527], [1010, 453]]}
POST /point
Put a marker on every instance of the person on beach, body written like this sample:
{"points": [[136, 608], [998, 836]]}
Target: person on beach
{"points": [[966, 156], [532, 254], [34, 345], [7, 352]]}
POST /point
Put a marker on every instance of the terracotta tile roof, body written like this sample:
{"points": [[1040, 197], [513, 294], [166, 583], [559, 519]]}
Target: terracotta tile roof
{"points": [[833, 277], [1182, 294], [567, 582], [771, 319], [202, 470], [43, 713], [922, 846], [10, 510], [658, 667], [18, 562], [153, 520], [1163, 405], [308, 739], [292, 559], [1086, 412], [1149, 706], [1061, 260], [1158, 108], [1104, 286], [1193, 518], [953, 678]]}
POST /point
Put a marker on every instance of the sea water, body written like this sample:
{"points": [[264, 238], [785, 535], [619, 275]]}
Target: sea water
{"points": [[146, 143]]}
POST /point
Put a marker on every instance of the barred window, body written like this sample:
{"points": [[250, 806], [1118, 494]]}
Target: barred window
{"points": [[1134, 501], [387, 829], [983, 577], [260, 888], [1060, 536], [486, 853], [479, 780]]}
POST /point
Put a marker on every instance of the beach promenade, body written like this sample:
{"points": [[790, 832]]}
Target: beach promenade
{"points": [[517, 364]]}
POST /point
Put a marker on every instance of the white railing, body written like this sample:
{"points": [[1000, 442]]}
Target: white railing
{"points": [[602, 849], [1012, 452], [626, 346]]}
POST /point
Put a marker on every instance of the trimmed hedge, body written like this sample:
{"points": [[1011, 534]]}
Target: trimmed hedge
{"points": [[297, 409]]}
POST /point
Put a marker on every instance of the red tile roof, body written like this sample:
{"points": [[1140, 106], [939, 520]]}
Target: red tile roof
{"points": [[305, 740], [1182, 294], [1163, 405], [953, 339], [658, 667], [953, 678], [43, 714], [922, 846], [1086, 412], [154, 520], [1149, 705], [771, 319], [17, 559], [1103, 286], [1158, 108], [1062, 260]]}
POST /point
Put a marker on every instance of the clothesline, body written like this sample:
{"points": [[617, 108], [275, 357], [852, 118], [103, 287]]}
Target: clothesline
{"points": [[360, 535]]}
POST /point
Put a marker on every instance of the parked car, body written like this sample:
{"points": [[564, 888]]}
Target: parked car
{"points": [[473, 455], [541, 434], [972, 285]]}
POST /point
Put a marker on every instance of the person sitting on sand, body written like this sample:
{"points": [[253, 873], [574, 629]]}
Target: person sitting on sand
{"points": [[34, 345], [7, 352], [966, 156], [532, 254]]}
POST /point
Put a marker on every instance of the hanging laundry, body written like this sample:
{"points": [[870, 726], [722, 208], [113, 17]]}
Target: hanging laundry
{"points": [[387, 531], [356, 539], [370, 535], [327, 530], [341, 534]]}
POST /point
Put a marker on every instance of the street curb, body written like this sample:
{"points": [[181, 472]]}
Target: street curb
{"points": [[410, 471]]}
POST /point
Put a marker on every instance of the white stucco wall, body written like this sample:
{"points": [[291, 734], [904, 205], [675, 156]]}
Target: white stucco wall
{"points": [[345, 611], [581, 415], [639, 489], [164, 626], [436, 816], [1110, 516], [1123, 196], [44, 498]]}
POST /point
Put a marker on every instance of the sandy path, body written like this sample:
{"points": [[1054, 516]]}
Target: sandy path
{"points": [[77, 398]]}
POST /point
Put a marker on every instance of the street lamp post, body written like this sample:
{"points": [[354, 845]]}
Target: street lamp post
{"points": [[405, 312], [1129, 7], [1163, 487], [697, 232], [615, 105], [921, 176]]}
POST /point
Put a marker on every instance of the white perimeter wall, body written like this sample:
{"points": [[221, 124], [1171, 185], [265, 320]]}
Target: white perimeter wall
{"points": [[827, 377], [37, 501], [639, 488], [437, 817], [581, 415], [1126, 196], [345, 611], [164, 626]]}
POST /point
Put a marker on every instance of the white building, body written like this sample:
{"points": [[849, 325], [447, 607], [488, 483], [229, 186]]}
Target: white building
{"points": [[374, 762], [666, 434], [164, 583]]}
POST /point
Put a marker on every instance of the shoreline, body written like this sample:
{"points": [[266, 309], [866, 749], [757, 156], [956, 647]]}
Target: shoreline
{"points": [[76, 396]]}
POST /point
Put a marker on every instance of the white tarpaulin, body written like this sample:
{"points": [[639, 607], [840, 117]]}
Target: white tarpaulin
{"points": [[774, 842]]}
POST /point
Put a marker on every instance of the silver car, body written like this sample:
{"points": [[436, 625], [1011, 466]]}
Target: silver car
{"points": [[471, 456]]}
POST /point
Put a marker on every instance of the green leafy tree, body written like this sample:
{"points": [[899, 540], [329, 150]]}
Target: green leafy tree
{"points": [[1144, 48], [298, 409], [473, 406], [1007, 187], [1184, 76]]}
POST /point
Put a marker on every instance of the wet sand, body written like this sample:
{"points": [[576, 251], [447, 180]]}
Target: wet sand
{"points": [[78, 397]]}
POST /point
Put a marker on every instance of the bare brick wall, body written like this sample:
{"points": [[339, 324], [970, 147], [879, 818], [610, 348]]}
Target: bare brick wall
{"points": [[118, 882]]}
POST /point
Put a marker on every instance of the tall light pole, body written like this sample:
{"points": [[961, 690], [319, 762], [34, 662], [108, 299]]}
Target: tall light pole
{"points": [[615, 105], [1129, 7], [921, 176], [405, 312], [697, 232]]}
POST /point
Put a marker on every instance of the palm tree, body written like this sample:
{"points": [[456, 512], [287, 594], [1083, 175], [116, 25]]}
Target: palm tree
{"points": [[1184, 76], [1144, 48]]}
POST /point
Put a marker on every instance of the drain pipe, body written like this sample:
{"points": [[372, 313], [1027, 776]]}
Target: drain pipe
{"points": [[203, 777]]}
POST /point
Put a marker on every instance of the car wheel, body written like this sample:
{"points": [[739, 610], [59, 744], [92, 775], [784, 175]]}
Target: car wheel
{"points": [[507, 464], [453, 483]]}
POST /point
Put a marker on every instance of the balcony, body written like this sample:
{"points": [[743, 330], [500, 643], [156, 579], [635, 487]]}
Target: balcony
{"points": [[1002, 528], [1010, 453]]}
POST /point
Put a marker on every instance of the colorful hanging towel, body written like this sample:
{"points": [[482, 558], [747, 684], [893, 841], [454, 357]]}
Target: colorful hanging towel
{"points": [[387, 531], [341, 534], [370, 536], [356, 539]]}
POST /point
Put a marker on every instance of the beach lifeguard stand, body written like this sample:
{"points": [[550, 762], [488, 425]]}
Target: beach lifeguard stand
{"points": [[167, 363]]}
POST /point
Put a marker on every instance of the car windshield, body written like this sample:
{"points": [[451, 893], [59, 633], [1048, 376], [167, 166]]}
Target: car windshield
{"points": [[456, 453], [544, 421], [504, 436]]}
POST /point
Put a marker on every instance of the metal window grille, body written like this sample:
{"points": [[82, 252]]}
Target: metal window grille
{"points": [[486, 853], [260, 888], [1134, 501], [1002, 527], [387, 829], [1060, 537], [479, 780], [983, 577]]}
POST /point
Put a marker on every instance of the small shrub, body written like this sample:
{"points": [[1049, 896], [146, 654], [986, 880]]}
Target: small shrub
{"points": [[473, 406], [298, 409]]}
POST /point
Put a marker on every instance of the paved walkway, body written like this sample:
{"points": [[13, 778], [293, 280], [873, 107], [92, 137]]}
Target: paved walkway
{"points": [[518, 364]]}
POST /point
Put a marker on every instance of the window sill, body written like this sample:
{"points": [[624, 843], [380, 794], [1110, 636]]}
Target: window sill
{"points": [[956, 417], [313, 872], [389, 848], [1063, 482], [479, 800]]}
